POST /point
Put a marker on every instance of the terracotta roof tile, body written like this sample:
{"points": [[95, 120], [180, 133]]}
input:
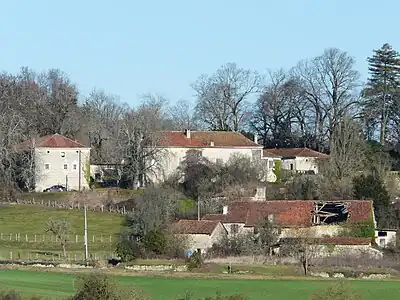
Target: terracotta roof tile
{"points": [[287, 213], [221, 139], [350, 241], [195, 226], [267, 153], [296, 152], [51, 141]]}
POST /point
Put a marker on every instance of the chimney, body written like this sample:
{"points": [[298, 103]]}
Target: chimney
{"points": [[225, 210], [256, 138], [187, 133], [212, 144]]}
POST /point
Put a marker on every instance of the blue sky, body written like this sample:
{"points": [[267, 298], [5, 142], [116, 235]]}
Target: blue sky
{"points": [[133, 47]]}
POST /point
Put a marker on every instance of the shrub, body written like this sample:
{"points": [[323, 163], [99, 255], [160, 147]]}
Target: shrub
{"points": [[155, 242], [127, 250], [337, 291], [97, 286], [13, 295], [195, 261]]}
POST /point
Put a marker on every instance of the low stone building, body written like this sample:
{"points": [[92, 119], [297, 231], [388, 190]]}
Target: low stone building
{"points": [[199, 235]]}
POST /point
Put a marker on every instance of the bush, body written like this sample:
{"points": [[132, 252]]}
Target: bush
{"points": [[13, 295], [155, 242], [97, 286], [337, 291], [127, 250], [195, 261]]}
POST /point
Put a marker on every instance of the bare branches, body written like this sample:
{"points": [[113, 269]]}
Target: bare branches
{"points": [[330, 86], [60, 229], [221, 98]]}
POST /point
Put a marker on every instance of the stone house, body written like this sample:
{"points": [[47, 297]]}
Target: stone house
{"points": [[385, 237], [58, 160], [300, 160], [216, 146], [199, 235], [319, 219]]}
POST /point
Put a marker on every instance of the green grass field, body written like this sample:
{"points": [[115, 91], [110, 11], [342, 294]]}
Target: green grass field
{"points": [[58, 285], [22, 231]]}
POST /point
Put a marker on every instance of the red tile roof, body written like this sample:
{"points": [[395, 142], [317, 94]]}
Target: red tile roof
{"points": [[195, 226], [349, 241], [267, 153], [51, 141], [287, 213], [221, 139], [296, 152]]}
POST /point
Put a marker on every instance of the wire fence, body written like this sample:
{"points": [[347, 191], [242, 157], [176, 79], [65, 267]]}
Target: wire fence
{"points": [[71, 257], [48, 238]]}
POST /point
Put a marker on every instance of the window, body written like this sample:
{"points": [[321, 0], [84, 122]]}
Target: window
{"points": [[48, 151], [46, 166], [291, 167], [65, 167], [62, 154], [234, 228], [74, 167]]}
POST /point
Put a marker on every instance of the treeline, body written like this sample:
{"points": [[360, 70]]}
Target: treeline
{"points": [[304, 106]]}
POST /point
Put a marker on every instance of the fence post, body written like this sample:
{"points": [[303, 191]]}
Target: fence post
{"points": [[76, 238], [26, 238], [10, 236], [110, 239], [35, 238], [11, 255], [93, 239], [19, 236], [16, 237], [101, 238], [37, 256]]}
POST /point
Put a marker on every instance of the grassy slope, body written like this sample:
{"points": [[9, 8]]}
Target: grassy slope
{"points": [[31, 220], [55, 285]]}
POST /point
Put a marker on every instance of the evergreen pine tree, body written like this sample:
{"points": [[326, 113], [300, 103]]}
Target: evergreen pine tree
{"points": [[382, 88]]}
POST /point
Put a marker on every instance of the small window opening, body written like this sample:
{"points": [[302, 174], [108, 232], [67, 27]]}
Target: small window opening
{"points": [[62, 154], [65, 167], [47, 166]]}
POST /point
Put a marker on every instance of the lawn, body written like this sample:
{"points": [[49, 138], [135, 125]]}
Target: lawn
{"points": [[23, 228], [58, 285]]}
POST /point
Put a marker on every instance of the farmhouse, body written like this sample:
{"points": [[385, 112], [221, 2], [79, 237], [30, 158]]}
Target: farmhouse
{"points": [[200, 235], [216, 146], [294, 217], [300, 160], [58, 160]]}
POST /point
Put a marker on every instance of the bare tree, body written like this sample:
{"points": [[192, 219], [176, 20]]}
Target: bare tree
{"points": [[221, 97], [279, 113], [138, 142], [60, 229], [330, 85], [102, 115], [302, 245], [182, 115]]}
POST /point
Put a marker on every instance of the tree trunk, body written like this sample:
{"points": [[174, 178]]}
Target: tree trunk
{"points": [[64, 250]]}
